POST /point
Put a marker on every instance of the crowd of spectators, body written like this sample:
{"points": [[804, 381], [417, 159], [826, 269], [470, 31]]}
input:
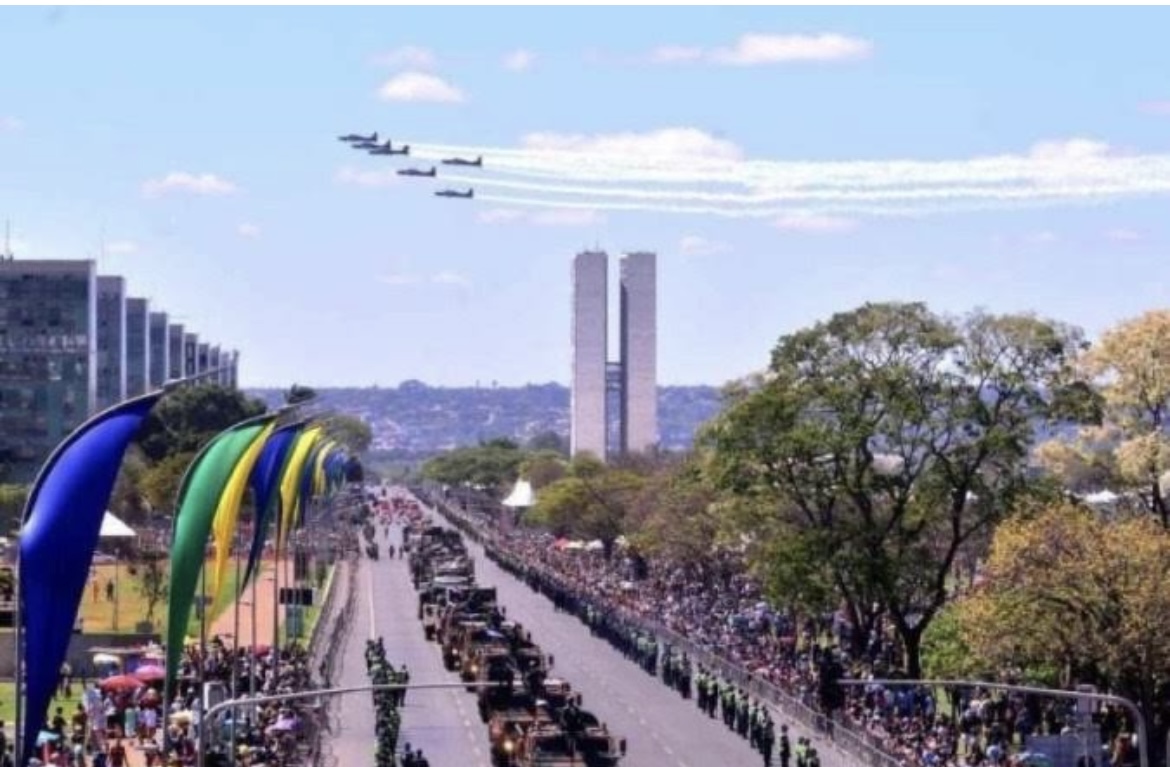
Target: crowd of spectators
{"points": [[120, 721], [716, 605]]}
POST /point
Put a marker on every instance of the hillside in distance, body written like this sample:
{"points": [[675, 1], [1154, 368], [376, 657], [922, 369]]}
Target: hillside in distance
{"points": [[417, 419]]}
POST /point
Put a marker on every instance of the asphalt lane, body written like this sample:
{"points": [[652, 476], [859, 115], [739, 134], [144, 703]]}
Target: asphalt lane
{"points": [[661, 729], [443, 723]]}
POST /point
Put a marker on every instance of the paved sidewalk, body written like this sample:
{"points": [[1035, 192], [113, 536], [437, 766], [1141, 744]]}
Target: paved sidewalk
{"points": [[260, 593]]}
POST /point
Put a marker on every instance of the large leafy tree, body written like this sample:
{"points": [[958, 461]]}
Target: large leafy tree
{"points": [[1130, 448], [1071, 590], [491, 465], [884, 443], [186, 419], [592, 502], [352, 432]]}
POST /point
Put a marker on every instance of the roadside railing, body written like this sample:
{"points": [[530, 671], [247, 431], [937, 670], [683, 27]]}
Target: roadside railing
{"points": [[856, 745]]}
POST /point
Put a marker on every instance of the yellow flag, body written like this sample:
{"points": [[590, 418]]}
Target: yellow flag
{"points": [[289, 483], [319, 468], [227, 512]]}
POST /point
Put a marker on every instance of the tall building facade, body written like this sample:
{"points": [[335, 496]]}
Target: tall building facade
{"points": [[72, 344], [176, 351], [190, 354], [48, 358], [632, 381], [160, 348], [111, 337], [587, 408], [137, 346], [639, 343]]}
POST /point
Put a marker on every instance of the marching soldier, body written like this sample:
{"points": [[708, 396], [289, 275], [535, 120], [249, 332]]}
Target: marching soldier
{"points": [[785, 746]]}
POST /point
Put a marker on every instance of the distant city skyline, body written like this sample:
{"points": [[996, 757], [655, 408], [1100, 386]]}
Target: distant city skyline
{"points": [[792, 162]]}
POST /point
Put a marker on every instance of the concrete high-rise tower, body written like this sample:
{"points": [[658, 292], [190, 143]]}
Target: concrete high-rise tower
{"points": [[639, 339], [633, 379], [587, 410]]}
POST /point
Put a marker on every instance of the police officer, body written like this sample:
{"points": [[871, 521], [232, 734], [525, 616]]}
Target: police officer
{"points": [[785, 746]]}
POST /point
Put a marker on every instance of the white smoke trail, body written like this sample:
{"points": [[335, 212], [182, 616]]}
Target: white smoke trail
{"points": [[776, 212], [920, 194], [1078, 172]]}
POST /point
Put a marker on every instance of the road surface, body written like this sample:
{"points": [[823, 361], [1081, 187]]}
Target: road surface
{"points": [[443, 723], [661, 729]]}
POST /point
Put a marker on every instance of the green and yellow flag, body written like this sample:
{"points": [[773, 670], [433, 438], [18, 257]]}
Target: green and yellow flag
{"points": [[227, 512], [290, 482], [199, 496]]}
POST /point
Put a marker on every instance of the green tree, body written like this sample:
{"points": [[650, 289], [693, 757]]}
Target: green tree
{"points": [[884, 443], [492, 465], [1128, 448], [12, 501], [153, 580], [351, 432], [590, 507], [128, 500], [548, 441], [543, 467], [298, 394], [186, 419], [159, 485], [1070, 590]]}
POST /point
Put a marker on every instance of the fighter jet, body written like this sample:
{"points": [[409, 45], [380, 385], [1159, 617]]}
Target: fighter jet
{"points": [[452, 193], [418, 172], [373, 137], [477, 162], [387, 149]]}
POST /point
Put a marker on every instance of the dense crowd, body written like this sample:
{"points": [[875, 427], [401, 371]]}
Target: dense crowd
{"points": [[717, 606]]}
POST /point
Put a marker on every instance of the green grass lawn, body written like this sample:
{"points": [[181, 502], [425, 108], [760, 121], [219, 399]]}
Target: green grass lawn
{"points": [[312, 613], [8, 702]]}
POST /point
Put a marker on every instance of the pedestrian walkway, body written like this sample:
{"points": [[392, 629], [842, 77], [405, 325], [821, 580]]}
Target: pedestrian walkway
{"points": [[260, 595]]}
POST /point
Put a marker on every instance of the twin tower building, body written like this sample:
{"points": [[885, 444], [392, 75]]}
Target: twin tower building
{"points": [[614, 405]]}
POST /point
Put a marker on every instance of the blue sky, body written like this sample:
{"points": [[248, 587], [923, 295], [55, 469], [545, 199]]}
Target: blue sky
{"points": [[200, 145]]}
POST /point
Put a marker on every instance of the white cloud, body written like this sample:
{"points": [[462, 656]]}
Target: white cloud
{"points": [[679, 143], [369, 178], [248, 231], [1156, 107], [1072, 149], [1123, 235], [121, 247], [448, 277], [544, 217], [519, 60], [412, 56], [813, 223], [1041, 238], [420, 87], [10, 124], [192, 183], [695, 245], [756, 48]]}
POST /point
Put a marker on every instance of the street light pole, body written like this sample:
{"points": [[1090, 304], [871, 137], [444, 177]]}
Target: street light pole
{"points": [[213, 712], [1143, 751]]}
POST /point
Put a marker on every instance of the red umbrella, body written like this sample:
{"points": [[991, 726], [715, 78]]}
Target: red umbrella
{"points": [[120, 683], [150, 673]]}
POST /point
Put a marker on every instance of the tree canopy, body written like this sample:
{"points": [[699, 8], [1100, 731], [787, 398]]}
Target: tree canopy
{"points": [[186, 419], [883, 443]]}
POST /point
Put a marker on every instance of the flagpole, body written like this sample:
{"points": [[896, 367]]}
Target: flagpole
{"points": [[18, 630]]}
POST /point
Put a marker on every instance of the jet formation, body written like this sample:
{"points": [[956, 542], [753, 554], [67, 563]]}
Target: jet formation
{"points": [[371, 146]]}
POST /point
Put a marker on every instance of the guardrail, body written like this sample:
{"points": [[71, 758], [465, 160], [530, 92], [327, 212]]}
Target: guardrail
{"points": [[327, 642], [850, 742]]}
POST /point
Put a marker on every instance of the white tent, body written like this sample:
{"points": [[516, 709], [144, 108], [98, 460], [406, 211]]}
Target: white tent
{"points": [[521, 496], [112, 527]]}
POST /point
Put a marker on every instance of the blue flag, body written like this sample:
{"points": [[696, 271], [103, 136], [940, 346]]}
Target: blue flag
{"points": [[265, 483], [57, 542]]}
